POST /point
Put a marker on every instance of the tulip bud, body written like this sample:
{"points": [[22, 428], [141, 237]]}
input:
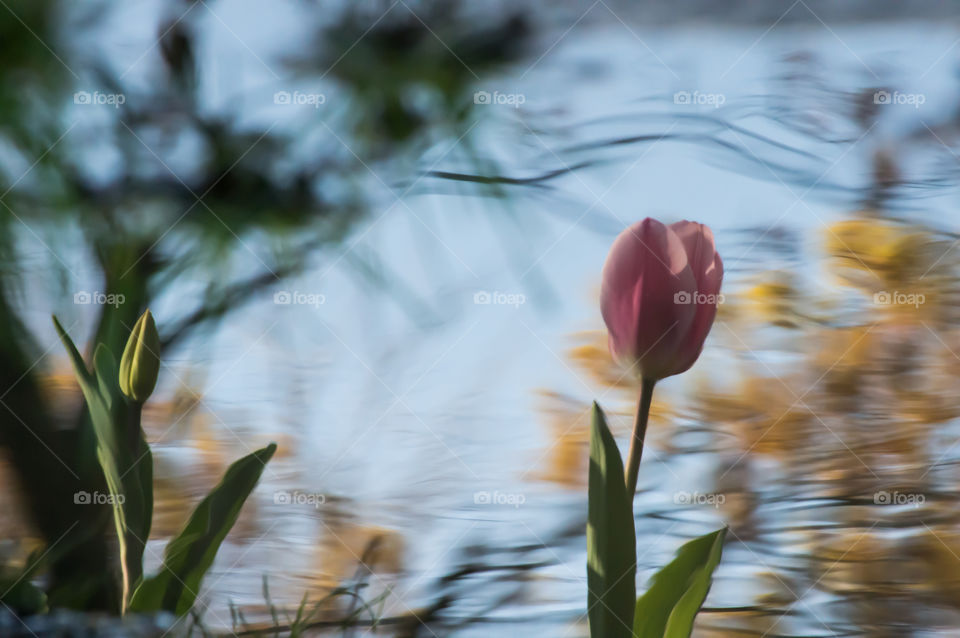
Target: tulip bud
{"points": [[140, 363], [659, 296]]}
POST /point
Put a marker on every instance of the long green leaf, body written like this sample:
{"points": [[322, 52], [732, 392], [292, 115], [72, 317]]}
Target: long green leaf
{"points": [[188, 556], [676, 593], [102, 406], [98, 403], [122, 452], [611, 540], [134, 462]]}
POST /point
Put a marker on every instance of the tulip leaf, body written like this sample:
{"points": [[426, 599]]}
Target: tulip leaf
{"points": [[134, 462], [676, 593], [611, 541], [101, 405], [122, 452], [97, 404], [190, 554]]}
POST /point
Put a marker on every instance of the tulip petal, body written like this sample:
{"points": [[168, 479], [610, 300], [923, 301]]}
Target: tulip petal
{"points": [[646, 269], [701, 252], [707, 269]]}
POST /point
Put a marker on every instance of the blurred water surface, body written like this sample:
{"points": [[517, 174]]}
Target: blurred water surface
{"points": [[435, 425]]}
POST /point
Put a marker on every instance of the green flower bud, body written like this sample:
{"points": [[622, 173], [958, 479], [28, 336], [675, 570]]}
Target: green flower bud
{"points": [[140, 363]]}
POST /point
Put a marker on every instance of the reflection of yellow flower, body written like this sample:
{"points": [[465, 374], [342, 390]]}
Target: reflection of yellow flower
{"points": [[938, 550], [842, 354], [568, 421], [927, 408], [764, 415], [774, 300], [343, 543], [568, 426], [853, 561], [876, 255], [593, 357]]}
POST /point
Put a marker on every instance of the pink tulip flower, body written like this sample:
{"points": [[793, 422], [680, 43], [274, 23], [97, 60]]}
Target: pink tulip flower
{"points": [[661, 286]]}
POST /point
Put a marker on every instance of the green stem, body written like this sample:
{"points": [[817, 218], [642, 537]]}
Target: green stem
{"points": [[639, 433], [133, 546]]}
